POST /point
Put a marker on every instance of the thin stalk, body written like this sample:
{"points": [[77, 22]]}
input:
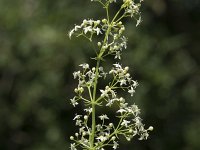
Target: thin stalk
{"points": [[93, 105], [93, 101]]}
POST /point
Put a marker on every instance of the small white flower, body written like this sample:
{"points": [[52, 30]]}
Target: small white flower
{"points": [[76, 74], [117, 65], [135, 109], [122, 82], [77, 117], [110, 102], [131, 91], [135, 83], [121, 110], [85, 66], [139, 21], [104, 93], [78, 122], [125, 123], [74, 102], [115, 145], [88, 110], [97, 30], [118, 55], [102, 138], [73, 146], [103, 117], [90, 21], [87, 29]]}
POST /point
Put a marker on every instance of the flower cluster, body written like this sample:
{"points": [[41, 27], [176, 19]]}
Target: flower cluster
{"points": [[116, 42], [88, 27], [86, 79], [97, 133], [107, 133], [132, 9]]}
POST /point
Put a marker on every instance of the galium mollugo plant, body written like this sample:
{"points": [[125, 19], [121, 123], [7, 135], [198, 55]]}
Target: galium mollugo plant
{"points": [[97, 132]]}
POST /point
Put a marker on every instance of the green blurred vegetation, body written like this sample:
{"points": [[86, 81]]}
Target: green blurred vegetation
{"points": [[37, 60]]}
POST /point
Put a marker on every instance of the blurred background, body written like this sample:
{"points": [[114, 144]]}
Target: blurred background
{"points": [[37, 60]]}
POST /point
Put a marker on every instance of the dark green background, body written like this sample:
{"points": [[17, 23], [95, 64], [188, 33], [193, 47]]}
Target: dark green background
{"points": [[37, 60]]}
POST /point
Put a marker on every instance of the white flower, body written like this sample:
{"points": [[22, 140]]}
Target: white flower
{"points": [[89, 110], [104, 93], [90, 21], [102, 138], [74, 102], [85, 66], [131, 91], [135, 109], [117, 65], [110, 102], [73, 146], [76, 74], [135, 83], [125, 123], [103, 117], [115, 144], [123, 105], [139, 21], [78, 122], [121, 110], [87, 29], [77, 117], [118, 55], [122, 82], [97, 30]]}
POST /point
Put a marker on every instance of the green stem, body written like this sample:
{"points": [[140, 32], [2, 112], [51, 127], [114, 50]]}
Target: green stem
{"points": [[93, 105], [93, 101]]}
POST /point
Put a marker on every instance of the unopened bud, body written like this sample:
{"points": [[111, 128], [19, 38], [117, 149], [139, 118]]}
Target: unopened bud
{"points": [[150, 128], [76, 90], [85, 117], [113, 138], [111, 124], [71, 138], [99, 44], [130, 131], [104, 21], [126, 68]]}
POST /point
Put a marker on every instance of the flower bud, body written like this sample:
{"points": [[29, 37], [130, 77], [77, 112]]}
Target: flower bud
{"points": [[119, 23], [111, 124], [76, 90], [84, 133], [85, 117], [99, 44], [126, 68], [104, 21], [130, 131], [121, 99], [150, 128], [113, 138], [76, 134], [71, 138]]}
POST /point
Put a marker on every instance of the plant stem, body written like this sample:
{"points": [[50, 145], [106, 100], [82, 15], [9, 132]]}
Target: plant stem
{"points": [[93, 101], [93, 105]]}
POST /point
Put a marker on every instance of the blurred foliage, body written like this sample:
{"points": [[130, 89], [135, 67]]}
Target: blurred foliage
{"points": [[37, 60]]}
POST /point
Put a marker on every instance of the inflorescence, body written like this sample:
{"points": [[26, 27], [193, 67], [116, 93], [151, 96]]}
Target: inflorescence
{"points": [[97, 136]]}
